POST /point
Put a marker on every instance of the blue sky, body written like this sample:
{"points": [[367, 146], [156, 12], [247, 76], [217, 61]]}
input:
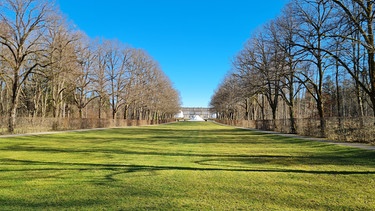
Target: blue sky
{"points": [[194, 41]]}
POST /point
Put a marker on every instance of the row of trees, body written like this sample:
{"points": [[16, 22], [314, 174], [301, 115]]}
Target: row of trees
{"points": [[49, 69], [314, 60]]}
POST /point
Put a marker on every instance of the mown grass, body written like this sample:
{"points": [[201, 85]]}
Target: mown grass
{"points": [[182, 166]]}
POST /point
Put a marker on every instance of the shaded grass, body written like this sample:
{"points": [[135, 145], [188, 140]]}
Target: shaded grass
{"points": [[183, 166]]}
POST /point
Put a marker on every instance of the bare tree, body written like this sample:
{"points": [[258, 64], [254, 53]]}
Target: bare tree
{"points": [[284, 34], [161, 98], [61, 53], [4, 80], [140, 69], [99, 77], [260, 64], [117, 74], [314, 18], [227, 98], [359, 20], [84, 92], [25, 22]]}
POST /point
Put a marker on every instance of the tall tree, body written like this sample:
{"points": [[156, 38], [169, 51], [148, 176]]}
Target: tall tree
{"points": [[261, 63], [118, 75], [61, 43], [314, 18], [24, 22], [84, 92], [359, 16], [285, 35], [99, 77], [227, 97]]}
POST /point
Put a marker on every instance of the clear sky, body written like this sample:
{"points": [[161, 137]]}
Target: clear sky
{"points": [[194, 41]]}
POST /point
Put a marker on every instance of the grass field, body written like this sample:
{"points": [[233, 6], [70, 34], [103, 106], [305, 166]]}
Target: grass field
{"points": [[182, 166]]}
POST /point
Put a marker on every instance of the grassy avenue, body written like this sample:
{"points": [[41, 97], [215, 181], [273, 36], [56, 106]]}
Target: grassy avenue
{"points": [[182, 166]]}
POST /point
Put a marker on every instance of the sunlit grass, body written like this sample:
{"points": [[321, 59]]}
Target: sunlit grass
{"points": [[182, 166]]}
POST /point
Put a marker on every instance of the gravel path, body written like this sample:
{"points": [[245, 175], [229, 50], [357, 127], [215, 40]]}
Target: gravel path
{"points": [[356, 145]]}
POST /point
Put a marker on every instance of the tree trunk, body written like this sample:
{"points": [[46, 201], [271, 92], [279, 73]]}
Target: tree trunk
{"points": [[80, 112], [371, 57], [13, 106], [262, 109], [338, 96], [2, 99], [12, 117], [293, 129], [371, 54], [321, 118], [114, 112], [274, 108], [100, 107], [126, 111]]}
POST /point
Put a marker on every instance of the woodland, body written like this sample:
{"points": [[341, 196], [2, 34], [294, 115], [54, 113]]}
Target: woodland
{"points": [[52, 71], [311, 71]]}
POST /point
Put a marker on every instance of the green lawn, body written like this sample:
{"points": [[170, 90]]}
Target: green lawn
{"points": [[182, 166]]}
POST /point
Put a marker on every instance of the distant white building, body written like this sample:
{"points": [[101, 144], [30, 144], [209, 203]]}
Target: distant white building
{"points": [[180, 115], [192, 112]]}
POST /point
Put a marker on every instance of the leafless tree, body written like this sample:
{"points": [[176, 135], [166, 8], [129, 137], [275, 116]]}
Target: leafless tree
{"points": [[227, 98], [284, 34], [117, 72], [62, 55], [25, 22], [47, 68], [358, 25], [84, 91], [162, 99], [99, 77], [260, 65], [314, 18]]}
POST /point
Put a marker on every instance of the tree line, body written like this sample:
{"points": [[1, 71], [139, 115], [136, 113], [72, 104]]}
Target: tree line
{"points": [[315, 60], [50, 69]]}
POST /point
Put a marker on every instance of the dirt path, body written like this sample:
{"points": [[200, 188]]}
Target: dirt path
{"points": [[356, 145], [348, 144]]}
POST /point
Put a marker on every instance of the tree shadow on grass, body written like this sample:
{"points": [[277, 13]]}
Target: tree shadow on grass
{"points": [[339, 156], [327, 155], [23, 204], [117, 169]]}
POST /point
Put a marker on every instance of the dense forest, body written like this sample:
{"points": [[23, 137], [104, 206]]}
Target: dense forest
{"points": [[311, 70], [49, 69]]}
